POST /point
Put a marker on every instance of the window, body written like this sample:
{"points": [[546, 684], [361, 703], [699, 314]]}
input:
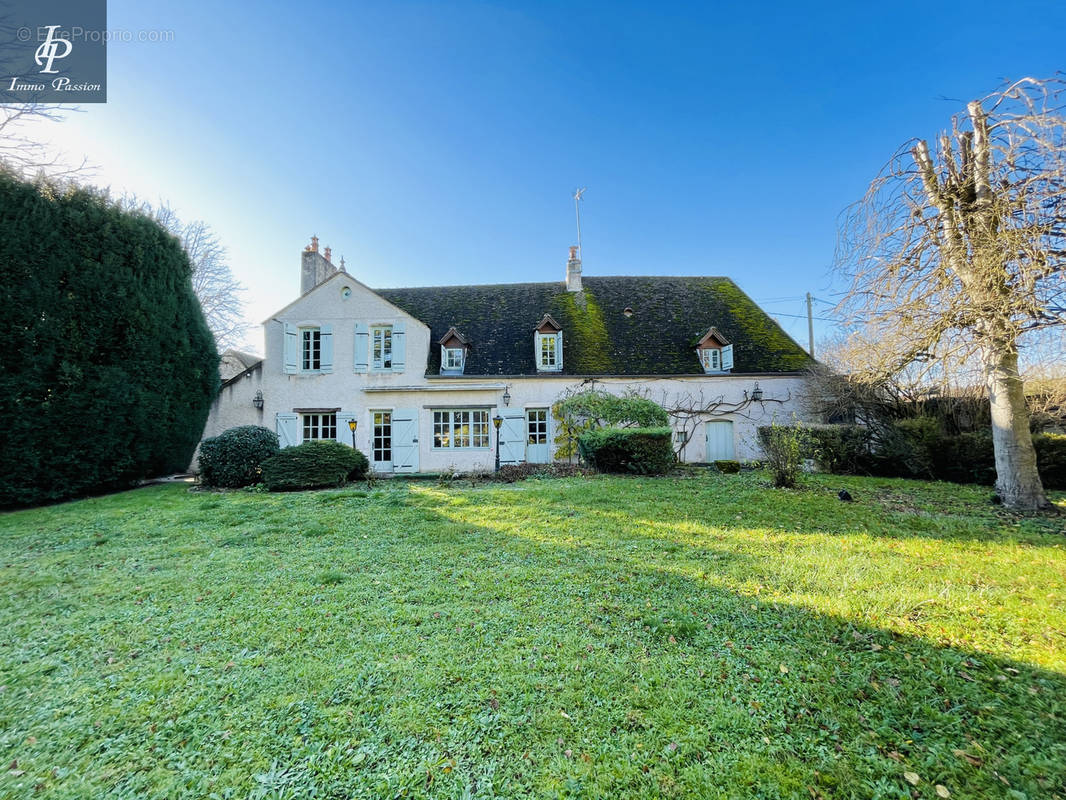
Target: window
{"points": [[465, 428], [382, 436], [381, 347], [453, 358], [320, 426], [548, 356], [537, 426], [711, 358], [310, 349]]}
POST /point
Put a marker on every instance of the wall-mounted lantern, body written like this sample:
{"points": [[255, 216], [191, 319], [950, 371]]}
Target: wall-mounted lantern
{"points": [[257, 401], [756, 393], [506, 397]]}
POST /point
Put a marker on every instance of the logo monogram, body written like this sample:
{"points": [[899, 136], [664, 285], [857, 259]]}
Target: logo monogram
{"points": [[48, 52]]}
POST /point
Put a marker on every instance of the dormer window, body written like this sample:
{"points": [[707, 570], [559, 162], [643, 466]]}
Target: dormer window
{"points": [[715, 352], [548, 345], [453, 347]]}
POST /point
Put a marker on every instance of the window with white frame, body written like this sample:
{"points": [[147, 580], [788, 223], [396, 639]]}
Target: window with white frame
{"points": [[711, 358], [453, 358], [548, 351], [310, 349], [381, 347], [319, 426], [461, 428]]}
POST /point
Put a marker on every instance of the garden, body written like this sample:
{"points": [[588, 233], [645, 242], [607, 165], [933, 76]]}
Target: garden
{"points": [[695, 635]]}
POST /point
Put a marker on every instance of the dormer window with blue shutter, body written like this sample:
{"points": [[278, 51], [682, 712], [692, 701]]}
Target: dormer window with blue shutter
{"points": [[548, 345], [715, 352], [453, 349]]}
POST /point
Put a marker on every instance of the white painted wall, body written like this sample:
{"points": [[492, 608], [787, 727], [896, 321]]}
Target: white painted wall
{"points": [[361, 393], [232, 408]]}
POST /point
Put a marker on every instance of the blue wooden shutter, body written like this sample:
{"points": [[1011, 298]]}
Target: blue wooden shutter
{"points": [[326, 358], [362, 347], [559, 351], [727, 357], [399, 346], [287, 429], [344, 433], [290, 349]]}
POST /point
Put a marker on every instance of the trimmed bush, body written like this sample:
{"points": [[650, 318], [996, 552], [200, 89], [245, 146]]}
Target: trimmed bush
{"points": [[108, 368], [1051, 459], [841, 449], [643, 451], [235, 457], [727, 467], [313, 465], [509, 473]]}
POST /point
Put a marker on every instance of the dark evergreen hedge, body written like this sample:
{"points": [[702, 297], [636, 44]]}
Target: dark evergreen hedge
{"points": [[916, 448], [644, 451], [235, 457], [108, 366], [313, 465]]}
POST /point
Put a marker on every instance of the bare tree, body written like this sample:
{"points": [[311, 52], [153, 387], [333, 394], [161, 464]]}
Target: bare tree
{"points": [[27, 156], [959, 249], [212, 278]]}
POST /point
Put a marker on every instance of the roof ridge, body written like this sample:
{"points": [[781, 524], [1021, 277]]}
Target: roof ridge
{"points": [[554, 283]]}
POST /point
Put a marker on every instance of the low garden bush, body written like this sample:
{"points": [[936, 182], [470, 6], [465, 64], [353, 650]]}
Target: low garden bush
{"points": [[643, 451], [786, 447], [235, 457], [1051, 459], [313, 465], [727, 467], [509, 473]]}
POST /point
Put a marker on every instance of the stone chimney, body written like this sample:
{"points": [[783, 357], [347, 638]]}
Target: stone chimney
{"points": [[329, 254], [314, 267], [573, 272]]}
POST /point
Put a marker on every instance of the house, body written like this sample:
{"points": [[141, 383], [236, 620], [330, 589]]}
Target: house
{"points": [[423, 371]]}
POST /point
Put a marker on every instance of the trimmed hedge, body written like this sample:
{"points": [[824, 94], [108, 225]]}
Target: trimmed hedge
{"points": [[313, 465], [915, 448], [108, 368], [235, 457], [643, 451]]}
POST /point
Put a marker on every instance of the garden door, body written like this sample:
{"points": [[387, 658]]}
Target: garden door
{"points": [[538, 451], [720, 441]]}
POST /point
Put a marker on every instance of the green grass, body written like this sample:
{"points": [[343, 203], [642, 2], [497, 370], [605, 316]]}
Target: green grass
{"points": [[600, 637]]}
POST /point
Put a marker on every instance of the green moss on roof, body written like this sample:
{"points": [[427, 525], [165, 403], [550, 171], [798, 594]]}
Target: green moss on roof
{"points": [[670, 315]]}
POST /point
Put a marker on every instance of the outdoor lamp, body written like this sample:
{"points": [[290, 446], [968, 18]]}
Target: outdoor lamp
{"points": [[497, 421], [257, 401], [756, 393], [352, 425], [506, 397]]}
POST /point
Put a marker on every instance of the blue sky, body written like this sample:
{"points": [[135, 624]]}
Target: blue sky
{"points": [[438, 143]]}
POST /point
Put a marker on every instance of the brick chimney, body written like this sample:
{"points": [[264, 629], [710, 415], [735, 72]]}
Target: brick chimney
{"points": [[573, 272], [314, 267]]}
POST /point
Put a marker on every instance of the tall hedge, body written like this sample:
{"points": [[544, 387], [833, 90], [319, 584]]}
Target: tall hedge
{"points": [[108, 367]]}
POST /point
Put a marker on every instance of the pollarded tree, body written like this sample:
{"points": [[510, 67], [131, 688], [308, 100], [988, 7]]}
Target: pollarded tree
{"points": [[959, 248]]}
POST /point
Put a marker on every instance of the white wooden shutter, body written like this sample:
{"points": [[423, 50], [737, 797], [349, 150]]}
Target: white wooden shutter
{"points": [[290, 349], [727, 357], [512, 436], [559, 351], [399, 346], [326, 343], [405, 440], [344, 433], [362, 347], [287, 428]]}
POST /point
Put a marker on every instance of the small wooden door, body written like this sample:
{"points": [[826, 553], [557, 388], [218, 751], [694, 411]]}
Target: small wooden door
{"points": [[512, 435], [720, 441]]}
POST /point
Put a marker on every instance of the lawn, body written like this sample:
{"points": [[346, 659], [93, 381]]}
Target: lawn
{"points": [[587, 637]]}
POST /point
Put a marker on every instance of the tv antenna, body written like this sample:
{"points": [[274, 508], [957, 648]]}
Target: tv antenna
{"points": [[577, 212]]}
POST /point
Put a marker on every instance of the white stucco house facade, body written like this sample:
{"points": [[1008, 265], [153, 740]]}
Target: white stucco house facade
{"points": [[423, 371]]}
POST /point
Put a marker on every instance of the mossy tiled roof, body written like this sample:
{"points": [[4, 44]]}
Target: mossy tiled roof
{"points": [[669, 317]]}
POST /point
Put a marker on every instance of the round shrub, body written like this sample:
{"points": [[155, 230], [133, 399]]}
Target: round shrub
{"points": [[313, 465], [644, 451], [235, 457]]}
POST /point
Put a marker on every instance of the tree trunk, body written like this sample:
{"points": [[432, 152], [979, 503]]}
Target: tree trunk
{"points": [[1017, 479]]}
